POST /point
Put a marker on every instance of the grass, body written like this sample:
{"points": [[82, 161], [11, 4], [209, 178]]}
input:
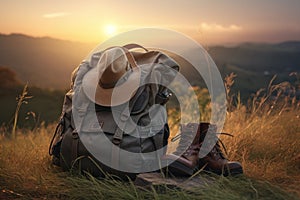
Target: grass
{"points": [[266, 142], [26, 173], [22, 99]]}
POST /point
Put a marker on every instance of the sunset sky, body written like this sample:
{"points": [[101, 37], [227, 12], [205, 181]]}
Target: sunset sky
{"points": [[210, 22]]}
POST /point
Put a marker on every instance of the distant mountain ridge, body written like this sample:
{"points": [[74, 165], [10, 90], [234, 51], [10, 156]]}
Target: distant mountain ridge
{"points": [[43, 62], [48, 62]]}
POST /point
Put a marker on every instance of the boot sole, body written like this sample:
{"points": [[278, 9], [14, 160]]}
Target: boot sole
{"points": [[179, 169]]}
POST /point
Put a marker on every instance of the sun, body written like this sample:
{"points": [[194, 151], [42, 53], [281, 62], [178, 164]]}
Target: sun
{"points": [[110, 30]]}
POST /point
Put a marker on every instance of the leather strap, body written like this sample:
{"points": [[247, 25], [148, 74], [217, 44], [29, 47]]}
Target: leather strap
{"points": [[128, 55], [134, 46], [130, 58]]}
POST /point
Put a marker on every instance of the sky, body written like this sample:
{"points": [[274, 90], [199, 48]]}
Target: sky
{"points": [[207, 21]]}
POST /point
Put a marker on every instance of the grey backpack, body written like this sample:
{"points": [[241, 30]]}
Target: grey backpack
{"points": [[112, 150]]}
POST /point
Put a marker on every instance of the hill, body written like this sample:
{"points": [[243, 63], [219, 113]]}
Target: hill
{"points": [[43, 62], [256, 63], [47, 62]]}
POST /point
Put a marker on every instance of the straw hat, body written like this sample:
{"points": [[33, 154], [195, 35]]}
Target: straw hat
{"points": [[114, 80]]}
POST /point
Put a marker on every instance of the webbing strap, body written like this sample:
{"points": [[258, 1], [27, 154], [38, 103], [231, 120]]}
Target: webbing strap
{"points": [[117, 139], [125, 115], [75, 141], [118, 136], [115, 156]]}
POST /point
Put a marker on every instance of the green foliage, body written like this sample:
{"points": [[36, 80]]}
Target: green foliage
{"points": [[45, 106], [8, 78]]}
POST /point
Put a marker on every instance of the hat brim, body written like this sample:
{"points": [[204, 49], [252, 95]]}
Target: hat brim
{"points": [[118, 95]]}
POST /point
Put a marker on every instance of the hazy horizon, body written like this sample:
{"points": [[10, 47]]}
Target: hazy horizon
{"points": [[225, 44], [208, 22]]}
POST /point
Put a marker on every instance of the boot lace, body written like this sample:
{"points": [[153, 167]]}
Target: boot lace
{"points": [[185, 145], [218, 149]]}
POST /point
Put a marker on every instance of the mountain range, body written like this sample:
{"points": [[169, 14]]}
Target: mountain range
{"points": [[43, 62], [48, 62]]}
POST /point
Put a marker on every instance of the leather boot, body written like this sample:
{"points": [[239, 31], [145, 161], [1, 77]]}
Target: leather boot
{"points": [[215, 161], [187, 163]]}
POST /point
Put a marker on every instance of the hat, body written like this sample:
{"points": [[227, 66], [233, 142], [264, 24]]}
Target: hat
{"points": [[114, 80]]}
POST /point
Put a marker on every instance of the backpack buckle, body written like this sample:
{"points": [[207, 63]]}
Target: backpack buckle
{"points": [[75, 135], [116, 141], [162, 97], [118, 136]]}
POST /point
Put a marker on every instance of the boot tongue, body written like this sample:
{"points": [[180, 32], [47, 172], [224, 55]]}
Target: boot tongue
{"points": [[204, 127], [189, 137]]}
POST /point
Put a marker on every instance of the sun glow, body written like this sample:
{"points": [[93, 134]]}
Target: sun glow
{"points": [[110, 30]]}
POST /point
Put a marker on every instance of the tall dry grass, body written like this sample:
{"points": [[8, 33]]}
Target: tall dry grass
{"points": [[25, 166], [267, 135], [26, 173], [266, 141]]}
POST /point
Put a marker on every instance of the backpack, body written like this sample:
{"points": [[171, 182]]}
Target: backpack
{"points": [[70, 152]]}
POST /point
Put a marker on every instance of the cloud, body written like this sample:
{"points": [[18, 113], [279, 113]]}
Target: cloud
{"points": [[220, 28], [55, 15]]}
